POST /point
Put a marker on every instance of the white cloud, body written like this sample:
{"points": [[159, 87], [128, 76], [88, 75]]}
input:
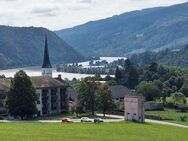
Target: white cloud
{"points": [[57, 14], [86, 1]]}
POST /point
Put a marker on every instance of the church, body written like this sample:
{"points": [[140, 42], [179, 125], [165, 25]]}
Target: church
{"points": [[52, 92]]}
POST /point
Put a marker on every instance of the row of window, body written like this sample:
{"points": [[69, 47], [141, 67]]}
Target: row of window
{"points": [[54, 104]]}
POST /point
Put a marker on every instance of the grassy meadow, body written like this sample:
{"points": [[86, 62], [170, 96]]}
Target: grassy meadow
{"points": [[170, 115], [122, 131]]}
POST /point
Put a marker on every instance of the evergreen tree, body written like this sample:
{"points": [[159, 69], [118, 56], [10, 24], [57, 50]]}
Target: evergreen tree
{"points": [[21, 98], [118, 76], [128, 76]]}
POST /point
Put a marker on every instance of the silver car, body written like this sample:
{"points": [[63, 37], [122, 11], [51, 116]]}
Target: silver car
{"points": [[86, 119]]}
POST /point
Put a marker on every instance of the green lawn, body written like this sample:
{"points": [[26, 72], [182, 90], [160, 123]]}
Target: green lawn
{"points": [[169, 115], [123, 131]]}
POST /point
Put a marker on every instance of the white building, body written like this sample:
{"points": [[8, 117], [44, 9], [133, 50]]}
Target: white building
{"points": [[134, 108]]}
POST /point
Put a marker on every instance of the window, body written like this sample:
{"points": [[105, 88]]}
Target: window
{"points": [[38, 113], [53, 106], [38, 102], [63, 98]]}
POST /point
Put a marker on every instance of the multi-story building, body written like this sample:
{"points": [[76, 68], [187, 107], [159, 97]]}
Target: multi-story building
{"points": [[52, 92]]}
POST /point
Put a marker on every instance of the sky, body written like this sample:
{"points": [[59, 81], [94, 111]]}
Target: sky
{"points": [[61, 14]]}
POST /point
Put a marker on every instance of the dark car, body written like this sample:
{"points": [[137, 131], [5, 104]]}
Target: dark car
{"points": [[98, 120]]}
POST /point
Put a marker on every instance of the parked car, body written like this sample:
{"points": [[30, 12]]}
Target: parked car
{"points": [[98, 120], [66, 120], [86, 119]]}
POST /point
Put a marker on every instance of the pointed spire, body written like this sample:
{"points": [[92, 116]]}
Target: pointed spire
{"points": [[46, 61]]}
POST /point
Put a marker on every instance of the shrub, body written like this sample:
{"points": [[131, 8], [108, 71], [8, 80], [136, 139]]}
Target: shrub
{"points": [[178, 98], [183, 118]]}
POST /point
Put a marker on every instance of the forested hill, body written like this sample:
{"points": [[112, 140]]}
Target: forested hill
{"points": [[24, 46], [132, 32], [166, 57]]}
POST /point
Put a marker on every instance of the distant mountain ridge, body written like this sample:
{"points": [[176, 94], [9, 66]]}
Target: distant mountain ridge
{"points": [[24, 46], [133, 32]]}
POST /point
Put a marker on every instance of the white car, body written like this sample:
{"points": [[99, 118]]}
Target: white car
{"points": [[86, 119]]}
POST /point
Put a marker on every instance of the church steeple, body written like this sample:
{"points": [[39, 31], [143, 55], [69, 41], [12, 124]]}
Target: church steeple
{"points": [[46, 61], [46, 67]]}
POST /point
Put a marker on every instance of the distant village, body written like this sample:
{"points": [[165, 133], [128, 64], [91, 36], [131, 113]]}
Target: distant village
{"points": [[131, 91], [94, 67], [56, 96]]}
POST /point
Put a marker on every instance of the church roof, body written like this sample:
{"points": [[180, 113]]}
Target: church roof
{"points": [[46, 61]]}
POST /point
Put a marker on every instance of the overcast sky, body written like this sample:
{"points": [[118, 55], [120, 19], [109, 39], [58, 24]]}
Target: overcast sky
{"points": [[59, 14]]}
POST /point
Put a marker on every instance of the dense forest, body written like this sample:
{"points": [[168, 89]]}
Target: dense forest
{"points": [[133, 32], [163, 84], [165, 57], [154, 81]]}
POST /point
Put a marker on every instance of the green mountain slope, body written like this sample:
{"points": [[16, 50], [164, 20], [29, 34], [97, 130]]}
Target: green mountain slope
{"points": [[132, 32], [24, 46]]}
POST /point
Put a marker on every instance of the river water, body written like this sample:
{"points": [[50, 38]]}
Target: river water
{"points": [[37, 71]]}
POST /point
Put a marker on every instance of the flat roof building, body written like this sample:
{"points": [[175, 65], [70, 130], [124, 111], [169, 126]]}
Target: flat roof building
{"points": [[134, 108]]}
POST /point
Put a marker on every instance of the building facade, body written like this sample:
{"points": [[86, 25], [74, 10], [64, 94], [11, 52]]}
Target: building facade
{"points": [[134, 108], [52, 94]]}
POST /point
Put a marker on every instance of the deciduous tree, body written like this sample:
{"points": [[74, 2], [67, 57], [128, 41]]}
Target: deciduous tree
{"points": [[105, 99], [87, 98]]}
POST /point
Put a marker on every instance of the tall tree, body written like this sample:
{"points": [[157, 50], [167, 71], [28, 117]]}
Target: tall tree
{"points": [[21, 98], [149, 89], [184, 89], [127, 76], [118, 75], [87, 98], [105, 99]]}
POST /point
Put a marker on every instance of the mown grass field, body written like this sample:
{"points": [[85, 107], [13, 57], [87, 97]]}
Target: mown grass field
{"points": [[169, 115], [123, 131]]}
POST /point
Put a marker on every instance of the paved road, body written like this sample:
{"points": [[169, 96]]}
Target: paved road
{"points": [[58, 121], [166, 123], [148, 120], [112, 118]]}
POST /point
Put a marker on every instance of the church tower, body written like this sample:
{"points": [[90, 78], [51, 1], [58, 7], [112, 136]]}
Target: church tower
{"points": [[46, 67]]}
